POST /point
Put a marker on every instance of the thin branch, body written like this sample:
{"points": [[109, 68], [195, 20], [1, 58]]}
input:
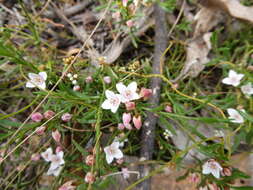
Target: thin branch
{"points": [[148, 130]]}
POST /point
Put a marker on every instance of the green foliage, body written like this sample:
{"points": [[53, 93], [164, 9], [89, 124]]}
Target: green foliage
{"points": [[196, 104]]}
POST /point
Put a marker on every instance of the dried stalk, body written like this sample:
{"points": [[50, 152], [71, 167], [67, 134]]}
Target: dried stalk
{"points": [[148, 131]]}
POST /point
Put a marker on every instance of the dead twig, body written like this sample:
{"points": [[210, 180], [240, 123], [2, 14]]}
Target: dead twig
{"points": [[80, 34], [70, 10], [148, 130]]}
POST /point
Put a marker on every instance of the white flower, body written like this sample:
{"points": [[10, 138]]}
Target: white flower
{"points": [[37, 80], [235, 116], [112, 152], [56, 160], [233, 78], [69, 75], [112, 102], [213, 167], [219, 133], [47, 155], [74, 82], [247, 89], [54, 172], [127, 93], [167, 134]]}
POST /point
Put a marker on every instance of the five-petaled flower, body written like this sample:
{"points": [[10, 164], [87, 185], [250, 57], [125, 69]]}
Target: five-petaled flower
{"points": [[127, 93], [247, 89], [112, 102], [56, 161], [112, 151], [37, 80], [212, 167], [235, 116], [233, 78]]}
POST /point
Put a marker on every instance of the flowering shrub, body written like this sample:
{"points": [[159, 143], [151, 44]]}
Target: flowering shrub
{"points": [[89, 118]]}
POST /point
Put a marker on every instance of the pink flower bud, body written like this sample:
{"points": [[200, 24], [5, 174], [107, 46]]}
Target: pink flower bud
{"points": [[56, 136], [124, 2], [226, 172], [35, 157], [58, 149], [130, 23], [116, 15], [41, 130], [66, 117], [89, 79], [126, 118], [168, 108], [121, 126], [107, 79], [130, 106], [213, 186], [89, 178], [49, 114], [67, 186], [76, 88], [175, 86], [145, 93], [194, 178], [120, 161], [90, 160], [137, 122], [37, 117]]}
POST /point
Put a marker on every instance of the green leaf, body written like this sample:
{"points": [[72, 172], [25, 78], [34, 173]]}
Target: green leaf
{"points": [[14, 55], [243, 188], [79, 148]]}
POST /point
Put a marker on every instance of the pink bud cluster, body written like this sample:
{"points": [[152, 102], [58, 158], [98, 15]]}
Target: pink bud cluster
{"points": [[37, 116], [127, 118], [145, 93]]}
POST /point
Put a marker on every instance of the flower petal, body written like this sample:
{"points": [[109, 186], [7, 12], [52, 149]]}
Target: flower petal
{"points": [[135, 96], [132, 87], [216, 173], [43, 75], [206, 169], [227, 81], [106, 105], [121, 87], [232, 73], [109, 158], [240, 76], [47, 154], [232, 111], [115, 145], [54, 172], [43, 85], [30, 85], [118, 154], [54, 165], [114, 108], [60, 154], [32, 76], [109, 94]]}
